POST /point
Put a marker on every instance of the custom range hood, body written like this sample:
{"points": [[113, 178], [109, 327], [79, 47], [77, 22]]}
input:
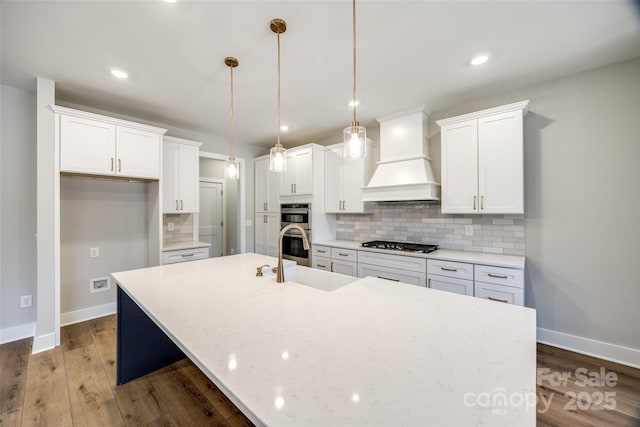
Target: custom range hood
{"points": [[404, 170]]}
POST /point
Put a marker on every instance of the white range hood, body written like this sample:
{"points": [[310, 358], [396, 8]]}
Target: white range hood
{"points": [[404, 170]]}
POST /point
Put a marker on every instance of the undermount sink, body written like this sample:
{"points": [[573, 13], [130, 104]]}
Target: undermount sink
{"points": [[314, 278]]}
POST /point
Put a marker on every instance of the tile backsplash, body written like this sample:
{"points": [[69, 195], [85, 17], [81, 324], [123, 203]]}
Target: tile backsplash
{"points": [[422, 222], [182, 228]]}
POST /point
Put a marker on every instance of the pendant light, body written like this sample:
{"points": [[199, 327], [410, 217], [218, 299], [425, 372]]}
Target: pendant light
{"points": [[355, 136], [278, 154], [231, 165]]}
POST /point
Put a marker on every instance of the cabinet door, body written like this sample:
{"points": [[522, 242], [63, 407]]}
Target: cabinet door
{"points": [[345, 267], [321, 263], [87, 146], [353, 171], [262, 175], [138, 153], [460, 167], [303, 171], [450, 284], [500, 163], [261, 238], [273, 201], [273, 231], [170, 184], [332, 180], [288, 178], [188, 178], [392, 274], [499, 293]]}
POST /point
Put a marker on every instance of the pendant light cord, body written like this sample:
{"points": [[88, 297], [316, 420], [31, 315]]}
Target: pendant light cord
{"points": [[278, 140], [232, 116], [354, 62]]}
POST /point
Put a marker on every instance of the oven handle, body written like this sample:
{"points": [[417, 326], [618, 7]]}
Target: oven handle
{"points": [[297, 234]]}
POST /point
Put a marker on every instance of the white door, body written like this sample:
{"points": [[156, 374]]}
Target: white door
{"points": [[210, 218]]}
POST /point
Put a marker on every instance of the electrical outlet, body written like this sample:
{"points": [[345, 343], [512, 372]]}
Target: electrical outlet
{"points": [[25, 301], [468, 230], [357, 226], [170, 226], [94, 252]]}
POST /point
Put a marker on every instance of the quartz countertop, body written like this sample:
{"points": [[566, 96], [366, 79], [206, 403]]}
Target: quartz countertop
{"points": [[498, 260], [191, 244], [369, 353]]}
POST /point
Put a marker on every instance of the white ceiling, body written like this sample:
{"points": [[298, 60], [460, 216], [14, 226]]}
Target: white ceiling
{"points": [[409, 53]]}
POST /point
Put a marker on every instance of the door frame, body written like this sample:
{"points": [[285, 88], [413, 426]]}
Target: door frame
{"points": [[223, 229], [241, 228]]}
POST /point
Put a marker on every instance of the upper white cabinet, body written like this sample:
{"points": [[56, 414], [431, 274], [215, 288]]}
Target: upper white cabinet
{"points": [[180, 175], [92, 144], [344, 179], [267, 186], [482, 161], [298, 179]]}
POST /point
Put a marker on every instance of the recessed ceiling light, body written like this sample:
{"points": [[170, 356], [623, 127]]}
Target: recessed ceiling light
{"points": [[170, 1], [480, 59], [284, 128], [120, 74], [353, 103]]}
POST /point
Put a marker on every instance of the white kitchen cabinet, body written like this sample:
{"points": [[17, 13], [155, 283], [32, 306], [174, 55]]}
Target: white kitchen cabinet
{"points": [[91, 144], [344, 179], [298, 179], [450, 284], [180, 175], [337, 260], [267, 228], [321, 263], [392, 274], [183, 255], [456, 277], [499, 284], [396, 268], [267, 186], [344, 267], [482, 161]]}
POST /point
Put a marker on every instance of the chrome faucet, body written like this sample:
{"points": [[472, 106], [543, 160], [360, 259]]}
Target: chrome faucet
{"points": [[305, 245]]}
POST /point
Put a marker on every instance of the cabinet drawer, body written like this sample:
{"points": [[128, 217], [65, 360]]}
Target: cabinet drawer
{"points": [[459, 270], [185, 255], [338, 254], [392, 274], [321, 251], [321, 263], [499, 293], [450, 284], [499, 275], [399, 262]]}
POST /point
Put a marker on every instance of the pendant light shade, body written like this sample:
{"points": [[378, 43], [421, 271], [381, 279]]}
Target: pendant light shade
{"points": [[278, 154], [231, 165], [355, 136]]}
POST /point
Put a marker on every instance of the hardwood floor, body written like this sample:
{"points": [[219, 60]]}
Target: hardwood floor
{"points": [[74, 385]]}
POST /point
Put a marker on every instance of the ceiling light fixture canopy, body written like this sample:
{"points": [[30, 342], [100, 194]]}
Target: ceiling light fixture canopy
{"points": [[232, 169], [278, 154], [355, 136], [480, 59], [118, 73]]}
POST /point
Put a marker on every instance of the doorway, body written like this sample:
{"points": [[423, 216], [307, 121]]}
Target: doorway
{"points": [[211, 221]]}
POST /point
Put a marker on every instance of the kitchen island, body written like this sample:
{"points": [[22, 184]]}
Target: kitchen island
{"points": [[368, 353]]}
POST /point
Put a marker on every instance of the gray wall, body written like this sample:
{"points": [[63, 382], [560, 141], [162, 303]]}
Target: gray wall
{"points": [[18, 205], [212, 168], [582, 200], [110, 215]]}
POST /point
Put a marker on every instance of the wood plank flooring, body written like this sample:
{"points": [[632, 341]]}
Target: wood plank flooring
{"points": [[74, 385]]}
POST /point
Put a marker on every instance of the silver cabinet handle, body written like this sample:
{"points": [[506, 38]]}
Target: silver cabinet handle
{"points": [[177, 206], [264, 219], [474, 202], [341, 254], [119, 165], [429, 283], [187, 255], [320, 251], [498, 276], [295, 188], [322, 266], [112, 164], [481, 202], [448, 269], [386, 278], [181, 205], [331, 267], [291, 188], [498, 299], [265, 206]]}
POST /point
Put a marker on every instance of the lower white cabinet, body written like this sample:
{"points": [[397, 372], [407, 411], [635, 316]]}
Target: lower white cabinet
{"points": [[344, 267], [321, 263], [182, 255], [456, 277], [267, 229], [499, 284], [450, 284], [392, 274], [337, 260]]}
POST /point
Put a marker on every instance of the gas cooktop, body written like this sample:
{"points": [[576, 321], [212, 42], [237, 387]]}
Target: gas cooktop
{"points": [[400, 246]]}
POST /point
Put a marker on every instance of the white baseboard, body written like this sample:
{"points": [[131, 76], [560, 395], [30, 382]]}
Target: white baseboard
{"points": [[603, 350], [15, 333], [43, 342], [72, 317]]}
